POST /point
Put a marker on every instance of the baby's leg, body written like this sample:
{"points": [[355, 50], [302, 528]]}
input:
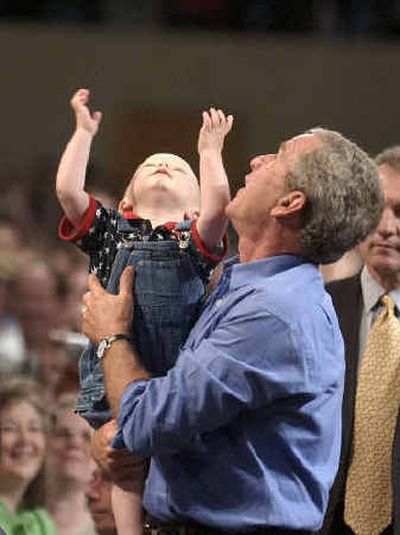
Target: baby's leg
{"points": [[128, 511], [126, 496]]}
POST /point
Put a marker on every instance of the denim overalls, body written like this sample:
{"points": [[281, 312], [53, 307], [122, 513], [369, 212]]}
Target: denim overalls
{"points": [[169, 287]]}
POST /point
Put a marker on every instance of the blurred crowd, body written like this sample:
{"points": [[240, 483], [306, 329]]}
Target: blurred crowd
{"points": [[48, 481], [41, 284], [49, 484], [331, 17]]}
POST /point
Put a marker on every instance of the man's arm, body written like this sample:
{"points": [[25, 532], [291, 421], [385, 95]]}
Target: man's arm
{"points": [[214, 185], [105, 315], [233, 370], [70, 180]]}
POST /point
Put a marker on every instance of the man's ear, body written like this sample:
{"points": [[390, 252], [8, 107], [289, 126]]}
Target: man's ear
{"points": [[291, 204], [124, 206]]}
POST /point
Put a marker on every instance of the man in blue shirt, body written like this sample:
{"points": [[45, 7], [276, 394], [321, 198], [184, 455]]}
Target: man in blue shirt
{"points": [[244, 431]]}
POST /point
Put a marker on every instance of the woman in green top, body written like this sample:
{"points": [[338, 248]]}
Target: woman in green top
{"points": [[23, 424]]}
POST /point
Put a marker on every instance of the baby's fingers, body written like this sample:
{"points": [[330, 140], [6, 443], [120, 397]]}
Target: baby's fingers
{"points": [[80, 97], [206, 120], [229, 123], [215, 117]]}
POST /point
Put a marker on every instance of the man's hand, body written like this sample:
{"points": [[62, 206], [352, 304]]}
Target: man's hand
{"points": [[119, 465], [84, 119], [213, 131], [105, 314]]}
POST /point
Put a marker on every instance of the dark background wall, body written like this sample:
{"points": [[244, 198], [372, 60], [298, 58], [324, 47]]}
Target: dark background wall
{"points": [[152, 85]]}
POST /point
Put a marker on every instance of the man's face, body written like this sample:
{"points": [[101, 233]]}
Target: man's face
{"points": [[381, 250], [99, 500], [265, 184], [34, 303]]}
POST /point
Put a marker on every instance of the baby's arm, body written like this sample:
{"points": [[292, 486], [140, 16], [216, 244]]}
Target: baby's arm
{"points": [[71, 172], [214, 185], [128, 509]]}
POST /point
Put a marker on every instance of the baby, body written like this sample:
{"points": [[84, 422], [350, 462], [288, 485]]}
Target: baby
{"points": [[157, 230]]}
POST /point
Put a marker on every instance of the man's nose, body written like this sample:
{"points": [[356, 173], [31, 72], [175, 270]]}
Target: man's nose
{"points": [[255, 162], [388, 223], [93, 491], [261, 159]]}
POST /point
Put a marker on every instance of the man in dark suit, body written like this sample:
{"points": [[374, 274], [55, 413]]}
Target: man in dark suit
{"points": [[357, 303]]}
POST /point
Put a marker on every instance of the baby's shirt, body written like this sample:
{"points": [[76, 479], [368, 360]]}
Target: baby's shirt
{"points": [[102, 232]]}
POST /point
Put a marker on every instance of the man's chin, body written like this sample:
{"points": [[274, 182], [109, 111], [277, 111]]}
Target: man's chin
{"points": [[386, 265]]}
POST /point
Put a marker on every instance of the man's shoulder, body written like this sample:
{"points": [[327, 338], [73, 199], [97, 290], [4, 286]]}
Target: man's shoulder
{"points": [[293, 294], [343, 286], [346, 296]]}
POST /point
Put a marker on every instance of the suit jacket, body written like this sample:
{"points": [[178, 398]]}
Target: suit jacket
{"points": [[347, 299]]}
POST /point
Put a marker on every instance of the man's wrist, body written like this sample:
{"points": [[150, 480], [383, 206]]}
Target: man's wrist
{"points": [[105, 343]]}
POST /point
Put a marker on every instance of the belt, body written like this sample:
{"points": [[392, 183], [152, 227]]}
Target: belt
{"points": [[153, 526]]}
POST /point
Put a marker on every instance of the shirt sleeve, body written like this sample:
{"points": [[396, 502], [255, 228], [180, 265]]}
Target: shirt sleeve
{"points": [[93, 231], [247, 362], [68, 232], [211, 256]]}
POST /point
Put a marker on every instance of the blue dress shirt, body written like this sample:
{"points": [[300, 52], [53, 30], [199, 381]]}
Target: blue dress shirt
{"points": [[245, 429]]}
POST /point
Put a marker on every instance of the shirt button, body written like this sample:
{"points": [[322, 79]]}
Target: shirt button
{"points": [[218, 303]]}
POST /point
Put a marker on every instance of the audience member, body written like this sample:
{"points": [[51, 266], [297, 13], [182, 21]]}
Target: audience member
{"points": [[244, 431], [34, 304], [99, 501], [76, 287], [23, 421], [12, 345], [70, 470], [361, 499], [51, 365]]}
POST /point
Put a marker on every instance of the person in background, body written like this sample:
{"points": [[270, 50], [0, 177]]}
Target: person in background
{"points": [[34, 305], [23, 425], [12, 344], [99, 501], [70, 468], [365, 496], [244, 431], [51, 367]]}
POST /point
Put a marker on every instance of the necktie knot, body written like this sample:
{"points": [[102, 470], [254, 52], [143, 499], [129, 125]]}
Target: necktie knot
{"points": [[388, 303]]}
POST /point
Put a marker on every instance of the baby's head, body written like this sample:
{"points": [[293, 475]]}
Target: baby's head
{"points": [[164, 179]]}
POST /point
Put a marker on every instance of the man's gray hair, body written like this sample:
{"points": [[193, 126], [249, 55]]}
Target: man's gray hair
{"points": [[389, 157], [344, 195]]}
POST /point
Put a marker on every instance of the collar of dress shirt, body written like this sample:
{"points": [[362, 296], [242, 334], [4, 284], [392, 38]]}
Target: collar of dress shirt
{"points": [[372, 291], [258, 270]]}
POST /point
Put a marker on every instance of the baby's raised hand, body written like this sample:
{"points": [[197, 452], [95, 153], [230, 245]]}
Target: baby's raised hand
{"points": [[213, 130], [84, 119]]}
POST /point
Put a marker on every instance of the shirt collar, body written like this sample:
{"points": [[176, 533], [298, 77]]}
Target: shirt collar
{"points": [[372, 291], [130, 215], [258, 270]]}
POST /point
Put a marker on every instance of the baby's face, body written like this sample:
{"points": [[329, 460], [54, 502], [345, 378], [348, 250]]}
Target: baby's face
{"points": [[169, 173]]}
